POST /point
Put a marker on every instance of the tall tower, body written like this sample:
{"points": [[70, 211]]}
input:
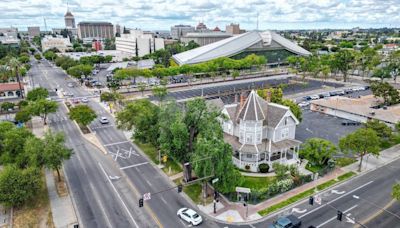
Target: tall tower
{"points": [[69, 19]]}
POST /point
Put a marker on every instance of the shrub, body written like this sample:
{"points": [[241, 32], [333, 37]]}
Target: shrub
{"points": [[263, 168], [247, 167]]}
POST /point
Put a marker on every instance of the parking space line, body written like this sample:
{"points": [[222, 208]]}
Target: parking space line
{"points": [[131, 166], [329, 220], [116, 143]]}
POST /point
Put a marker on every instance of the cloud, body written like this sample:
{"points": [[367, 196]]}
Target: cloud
{"points": [[162, 14]]}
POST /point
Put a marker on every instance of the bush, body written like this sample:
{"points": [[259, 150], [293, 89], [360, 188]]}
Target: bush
{"points": [[263, 168], [247, 167]]}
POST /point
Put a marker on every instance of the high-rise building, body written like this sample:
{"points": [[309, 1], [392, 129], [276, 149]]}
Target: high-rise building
{"points": [[34, 31], [138, 43], [96, 30], [233, 29], [69, 20], [118, 30], [179, 31]]}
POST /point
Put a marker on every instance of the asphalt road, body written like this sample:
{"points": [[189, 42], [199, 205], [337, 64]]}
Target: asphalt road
{"points": [[98, 202], [99, 205]]}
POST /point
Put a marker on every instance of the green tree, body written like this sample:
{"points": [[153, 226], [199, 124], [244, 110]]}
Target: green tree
{"points": [[42, 108], [37, 94], [79, 70], [82, 114], [344, 59], [361, 142], [382, 73], [23, 116], [294, 108], [142, 117], [280, 170], [55, 151], [142, 87], [15, 65], [387, 92], [382, 130], [12, 145], [160, 92], [18, 186], [23, 59], [318, 151], [5, 106], [396, 192], [50, 55]]}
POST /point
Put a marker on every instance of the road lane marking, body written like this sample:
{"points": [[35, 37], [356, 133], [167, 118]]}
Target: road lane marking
{"points": [[329, 220], [95, 128], [362, 186], [116, 143], [131, 166], [118, 195], [100, 204]]}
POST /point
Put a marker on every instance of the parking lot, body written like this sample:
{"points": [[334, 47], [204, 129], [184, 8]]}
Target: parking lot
{"points": [[319, 125]]}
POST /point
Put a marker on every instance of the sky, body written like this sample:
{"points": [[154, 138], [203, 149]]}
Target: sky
{"points": [[162, 14]]}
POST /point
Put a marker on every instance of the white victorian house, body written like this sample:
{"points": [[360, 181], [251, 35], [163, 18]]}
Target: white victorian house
{"points": [[260, 132]]}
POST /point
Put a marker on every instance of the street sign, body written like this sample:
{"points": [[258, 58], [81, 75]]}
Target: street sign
{"points": [[243, 190], [147, 196], [215, 180]]}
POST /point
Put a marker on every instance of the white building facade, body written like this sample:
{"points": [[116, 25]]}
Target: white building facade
{"points": [[139, 44], [260, 132], [59, 42]]}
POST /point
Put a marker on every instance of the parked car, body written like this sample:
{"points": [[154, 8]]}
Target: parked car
{"points": [[327, 94], [304, 104], [68, 94], [347, 91], [289, 221], [341, 92], [350, 123], [189, 216], [104, 120], [307, 98], [314, 97]]}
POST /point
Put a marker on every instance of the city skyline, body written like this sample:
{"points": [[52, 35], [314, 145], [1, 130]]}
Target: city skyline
{"points": [[273, 14]]}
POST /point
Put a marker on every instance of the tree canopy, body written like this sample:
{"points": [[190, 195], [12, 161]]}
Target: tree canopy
{"points": [[318, 151], [37, 94], [387, 92], [82, 114]]}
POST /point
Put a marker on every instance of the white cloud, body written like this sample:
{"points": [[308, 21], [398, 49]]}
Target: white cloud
{"points": [[161, 14]]}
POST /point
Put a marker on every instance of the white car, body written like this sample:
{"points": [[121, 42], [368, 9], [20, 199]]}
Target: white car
{"points": [[104, 120], [189, 216], [304, 104], [84, 100], [314, 97]]}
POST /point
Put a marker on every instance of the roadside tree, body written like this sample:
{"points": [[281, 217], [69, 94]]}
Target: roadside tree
{"points": [[82, 114], [42, 108], [361, 142], [318, 151], [55, 151], [37, 94], [396, 192], [387, 92]]}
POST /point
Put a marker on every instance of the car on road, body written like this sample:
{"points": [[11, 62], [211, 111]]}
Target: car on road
{"points": [[75, 101], [289, 221], [314, 97], [68, 94], [104, 120], [189, 216], [304, 104], [84, 100]]}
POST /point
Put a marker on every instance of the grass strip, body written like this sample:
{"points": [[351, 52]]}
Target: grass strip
{"points": [[304, 194]]}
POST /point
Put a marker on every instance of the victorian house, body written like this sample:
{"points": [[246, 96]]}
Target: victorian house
{"points": [[260, 132]]}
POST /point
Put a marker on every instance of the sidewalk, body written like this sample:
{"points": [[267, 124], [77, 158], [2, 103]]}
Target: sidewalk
{"points": [[236, 212], [61, 207]]}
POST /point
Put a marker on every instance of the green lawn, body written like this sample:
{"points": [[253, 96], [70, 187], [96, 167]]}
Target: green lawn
{"points": [[256, 182], [304, 194], [193, 191], [313, 168], [342, 162], [152, 153]]}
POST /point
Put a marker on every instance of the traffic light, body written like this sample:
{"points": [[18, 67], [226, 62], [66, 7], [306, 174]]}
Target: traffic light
{"points": [[141, 202], [311, 200], [339, 215], [180, 188]]}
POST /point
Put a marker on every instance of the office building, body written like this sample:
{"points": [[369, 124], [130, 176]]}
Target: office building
{"points": [[204, 38], [59, 42], [233, 29], [69, 20], [95, 30], [179, 31], [138, 43], [274, 47], [34, 31], [9, 32]]}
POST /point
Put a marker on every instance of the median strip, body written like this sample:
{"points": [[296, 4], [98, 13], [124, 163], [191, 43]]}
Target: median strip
{"points": [[304, 194]]}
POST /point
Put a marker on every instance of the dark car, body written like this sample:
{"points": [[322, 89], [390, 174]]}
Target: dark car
{"points": [[289, 221], [333, 93], [347, 91], [307, 98], [350, 123]]}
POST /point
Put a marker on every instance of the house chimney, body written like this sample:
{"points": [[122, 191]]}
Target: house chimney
{"points": [[242, 100]]}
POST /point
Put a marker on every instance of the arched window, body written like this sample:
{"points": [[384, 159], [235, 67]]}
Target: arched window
{"points": [[10, 93]]}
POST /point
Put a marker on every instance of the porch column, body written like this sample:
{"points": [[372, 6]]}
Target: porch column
{"points": [[280, 160], [257, 156], [240, 159], [286, 150]]}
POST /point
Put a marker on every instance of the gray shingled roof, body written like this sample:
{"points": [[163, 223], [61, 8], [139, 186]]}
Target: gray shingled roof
{"points": [[252, 109], [275, 113]]}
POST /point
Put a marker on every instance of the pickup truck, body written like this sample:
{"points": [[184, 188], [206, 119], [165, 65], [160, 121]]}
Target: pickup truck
{"points": [[289, 221]]}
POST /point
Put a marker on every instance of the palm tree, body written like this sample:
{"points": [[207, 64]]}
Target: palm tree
{"points": [[15, 64]]}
